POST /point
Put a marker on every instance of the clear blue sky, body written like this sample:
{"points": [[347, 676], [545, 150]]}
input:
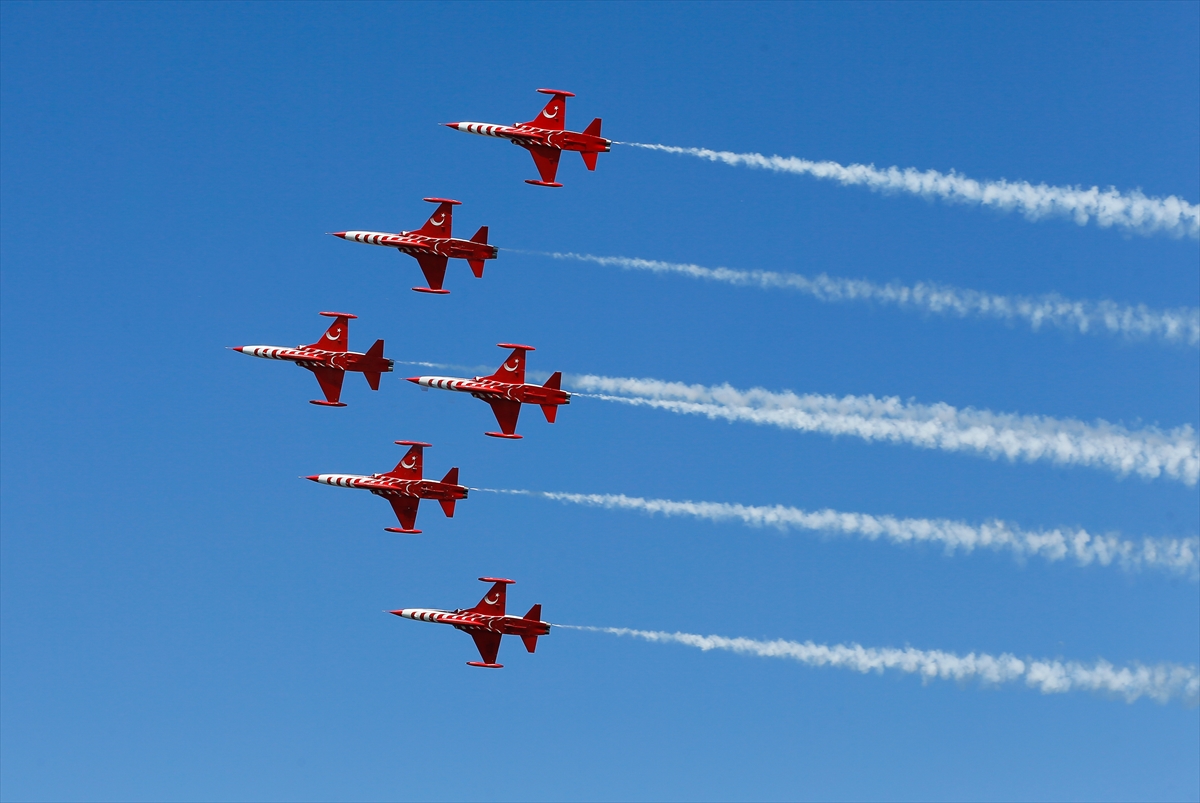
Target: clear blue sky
{"points": [[186, 619]]}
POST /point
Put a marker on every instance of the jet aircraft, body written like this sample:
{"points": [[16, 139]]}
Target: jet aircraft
{"points": [[432, 245], [330, 358], [506, 390], [546, 137], [404, 487], [487, 622]]}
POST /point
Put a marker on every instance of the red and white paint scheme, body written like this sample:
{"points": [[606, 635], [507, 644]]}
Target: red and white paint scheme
{"points": [[506, 390], [432, 245], [404, 487], [330, 358], [546, 137], [487, 622]]}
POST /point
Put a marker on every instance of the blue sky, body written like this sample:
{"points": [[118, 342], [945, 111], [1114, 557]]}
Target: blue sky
{"points": [[184, 618]]}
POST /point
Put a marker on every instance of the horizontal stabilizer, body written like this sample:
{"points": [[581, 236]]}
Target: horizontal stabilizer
{"points": [[447, 507], [589, 159], [481, 235], [550, 411], [554, 382], [593, 128], [476, 267], [530, 642], [451, 478]]}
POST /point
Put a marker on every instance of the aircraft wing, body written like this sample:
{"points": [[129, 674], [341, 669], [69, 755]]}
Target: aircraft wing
{"points": [[506, 415], [488, 644], [546, 160], [330, 380], [405, 508], [434, 268]]}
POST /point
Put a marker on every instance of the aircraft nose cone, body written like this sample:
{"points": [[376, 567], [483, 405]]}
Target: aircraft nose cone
{"points": [[396, 613], [414, 379], [341, 234], [451, 125], [236, 348], [314, 478]]}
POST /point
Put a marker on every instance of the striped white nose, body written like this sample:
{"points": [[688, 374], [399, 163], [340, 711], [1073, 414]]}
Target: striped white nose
{"points": [[483, 129]]}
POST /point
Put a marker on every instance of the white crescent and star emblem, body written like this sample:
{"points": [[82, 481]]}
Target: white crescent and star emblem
{"points": [[515, 366], [547, 115], [440, 220], [406, 464], [491, 601], [333, 334]]}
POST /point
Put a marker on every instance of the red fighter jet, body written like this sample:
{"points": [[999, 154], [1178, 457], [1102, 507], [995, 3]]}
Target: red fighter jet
{"points": [[546, 137], [506, 390], [330, 358], [487, 622], [432, 245], [403, 487]]}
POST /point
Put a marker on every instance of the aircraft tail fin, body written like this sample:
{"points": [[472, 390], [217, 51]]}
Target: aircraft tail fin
{"points": [[374, 354], [477, 264], [447, 507], [513, 368], [493, 601], [337, 336], [534, 615], [440, 222]]}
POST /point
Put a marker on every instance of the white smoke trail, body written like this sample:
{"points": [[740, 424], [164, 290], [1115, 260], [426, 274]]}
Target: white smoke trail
{"points": [[1176, 555], [1148, 452], [445, 366], [1132, 211], [1162, 682], [1085, 317]]}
